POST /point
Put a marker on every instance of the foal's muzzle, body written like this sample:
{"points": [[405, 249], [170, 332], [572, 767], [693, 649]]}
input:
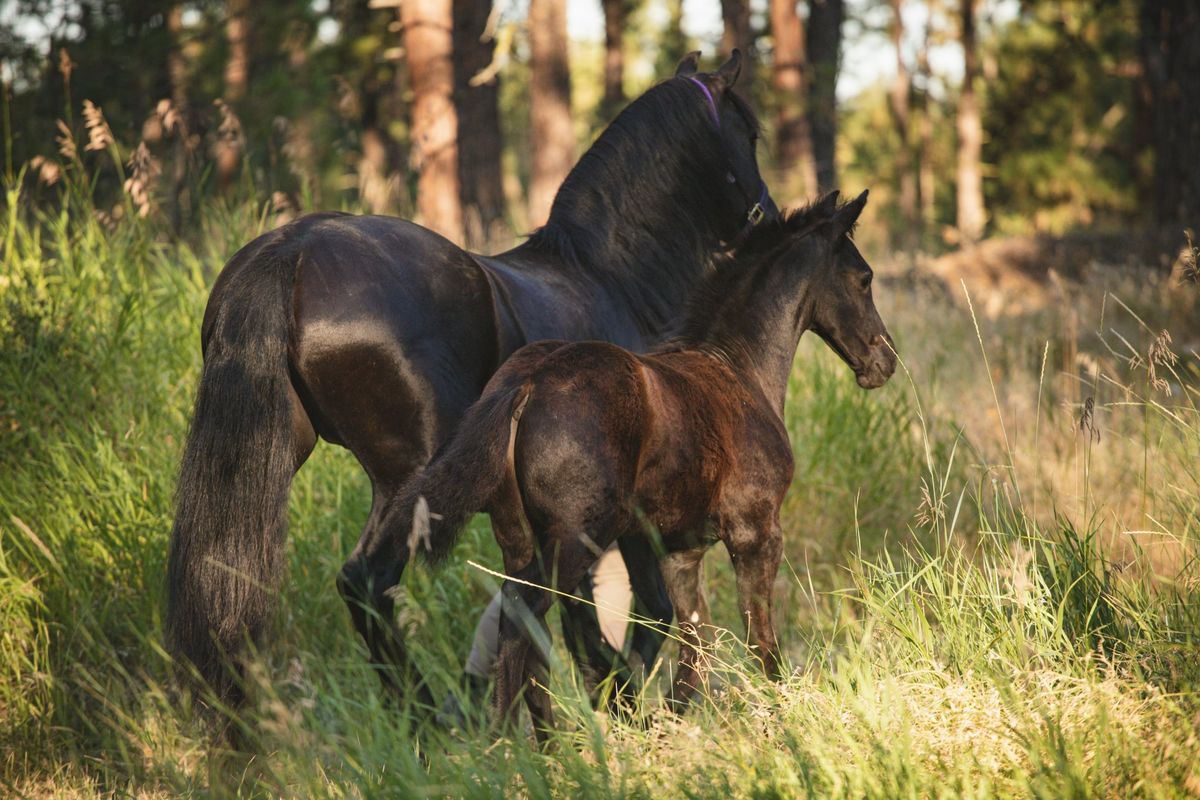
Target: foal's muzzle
{"points": [[880, 363]]}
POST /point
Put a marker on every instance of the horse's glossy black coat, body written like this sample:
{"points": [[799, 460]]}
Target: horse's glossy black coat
{"points": [[377, 334]]}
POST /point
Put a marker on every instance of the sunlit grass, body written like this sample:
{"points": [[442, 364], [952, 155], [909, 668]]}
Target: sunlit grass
{"points": [[962, 616]]}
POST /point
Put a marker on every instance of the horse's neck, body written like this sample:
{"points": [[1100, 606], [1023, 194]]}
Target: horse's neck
{"points": [[759, 339], [641, 283]]}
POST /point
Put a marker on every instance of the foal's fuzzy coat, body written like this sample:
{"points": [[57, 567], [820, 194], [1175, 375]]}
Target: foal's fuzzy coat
{"points": [[574, 445]]}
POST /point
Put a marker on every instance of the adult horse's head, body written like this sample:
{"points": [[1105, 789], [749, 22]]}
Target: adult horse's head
{"points": [[678, 165], [843, 309], [743, 190]]}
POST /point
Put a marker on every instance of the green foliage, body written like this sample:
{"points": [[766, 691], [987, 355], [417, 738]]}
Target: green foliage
{"points": [[1061, 117]]}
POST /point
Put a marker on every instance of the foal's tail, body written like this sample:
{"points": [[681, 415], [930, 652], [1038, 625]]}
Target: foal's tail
{"points": [[465, 475], [231, 502]]}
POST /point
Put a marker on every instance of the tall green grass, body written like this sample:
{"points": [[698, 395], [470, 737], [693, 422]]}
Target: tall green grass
{"points": [[946, 638]]}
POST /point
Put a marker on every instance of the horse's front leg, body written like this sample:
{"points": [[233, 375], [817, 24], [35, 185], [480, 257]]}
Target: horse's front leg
{"points": [[756, 555], [685, 584]]}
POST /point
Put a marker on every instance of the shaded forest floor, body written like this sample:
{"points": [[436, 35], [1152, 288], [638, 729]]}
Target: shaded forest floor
{"points": [[990, 585]]}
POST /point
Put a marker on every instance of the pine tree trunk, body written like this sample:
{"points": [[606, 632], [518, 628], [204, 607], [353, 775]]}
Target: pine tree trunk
{"points": [[238, 30], [614, 57], [901, 87], [925, 177], [551, 133], [970, 217], [183, 132], [739, 34], [477, 97], [1170, 39], [428, 43], [793, 142], [824, 48]]}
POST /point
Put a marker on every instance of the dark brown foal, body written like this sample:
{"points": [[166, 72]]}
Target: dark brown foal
{"points": [[574, 445]]}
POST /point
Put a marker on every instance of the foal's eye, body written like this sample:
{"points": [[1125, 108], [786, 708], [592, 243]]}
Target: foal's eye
{"points": [[864, 281], [729, 177]]}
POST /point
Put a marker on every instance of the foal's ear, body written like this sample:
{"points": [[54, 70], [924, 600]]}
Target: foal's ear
{"points": [[827, 205], [689, 64], [847, 215], [729, 71]]}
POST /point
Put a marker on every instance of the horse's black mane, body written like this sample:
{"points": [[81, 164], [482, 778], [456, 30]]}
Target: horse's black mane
{"points": [[634, 212], [742, 265]]}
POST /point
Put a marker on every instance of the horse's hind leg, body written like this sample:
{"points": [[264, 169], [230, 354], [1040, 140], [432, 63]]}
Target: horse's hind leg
{"points": [[650, 591], [522, 663], [365, 583]]}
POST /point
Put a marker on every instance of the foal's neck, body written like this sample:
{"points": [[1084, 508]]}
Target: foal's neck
{"points": [[756, 330]]}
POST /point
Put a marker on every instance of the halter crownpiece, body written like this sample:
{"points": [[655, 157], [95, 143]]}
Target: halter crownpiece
{"points": [[712, 104]]}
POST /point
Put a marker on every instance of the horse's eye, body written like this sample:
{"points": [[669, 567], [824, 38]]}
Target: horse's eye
{"points": [[730, 177], [864, 281]]}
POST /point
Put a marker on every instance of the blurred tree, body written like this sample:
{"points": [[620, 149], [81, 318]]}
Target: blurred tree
{"points": [[238, 31], [740, 34], [824, 53], [476, 98], [789, 68], [1170, 49], [369, 89], [615, 14], [428, 45], [924, 112], [551, 132], [673, 43], [909, 226], [971, 217], [1060, 117]]}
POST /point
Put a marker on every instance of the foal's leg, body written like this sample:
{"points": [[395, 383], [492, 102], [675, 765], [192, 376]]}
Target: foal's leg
{"points": [[523, 659], [756, 556], [685, 584]]}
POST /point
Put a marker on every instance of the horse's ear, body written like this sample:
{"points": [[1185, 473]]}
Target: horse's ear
{"points": [[689, 64], [827, 205], [847, 215], [729, 71]]}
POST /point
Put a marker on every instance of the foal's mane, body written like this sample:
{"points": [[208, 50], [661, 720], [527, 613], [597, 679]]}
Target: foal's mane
{"points": [[744, 264], [635, 213]]}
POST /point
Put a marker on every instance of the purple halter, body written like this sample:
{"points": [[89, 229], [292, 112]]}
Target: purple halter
{"points": [[712, 104], [757, 213]]}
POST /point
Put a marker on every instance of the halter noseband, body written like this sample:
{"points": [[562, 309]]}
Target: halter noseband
{"points": [[757, 213]]}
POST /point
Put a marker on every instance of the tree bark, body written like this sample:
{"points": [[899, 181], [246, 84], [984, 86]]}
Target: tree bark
{"points": [[615, 12], [925, 176], [1170, 44], [183, 131], [793, 139], [238, 30], [551, 133], [824, 48], [739, 34], [901, 88], [971, 216], [428, 42], [476, 98]]}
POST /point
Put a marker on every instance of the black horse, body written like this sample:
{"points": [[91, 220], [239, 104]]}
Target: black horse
{"points": [[377, 334]]}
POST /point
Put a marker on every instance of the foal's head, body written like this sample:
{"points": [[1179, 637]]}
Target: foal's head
{"points": [[842, 309]]}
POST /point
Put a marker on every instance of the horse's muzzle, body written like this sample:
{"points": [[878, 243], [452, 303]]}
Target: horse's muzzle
{"points": [[880, 363]]}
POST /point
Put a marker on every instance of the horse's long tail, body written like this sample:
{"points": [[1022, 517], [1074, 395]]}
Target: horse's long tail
{"points": [[231, 502], [465, 475]]}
